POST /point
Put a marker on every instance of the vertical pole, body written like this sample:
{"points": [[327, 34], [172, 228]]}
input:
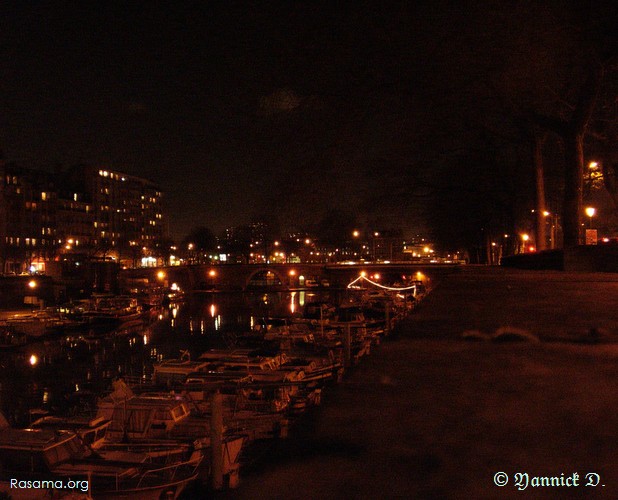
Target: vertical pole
{"points": [[347, 340], [216, 441], [387, 326]]}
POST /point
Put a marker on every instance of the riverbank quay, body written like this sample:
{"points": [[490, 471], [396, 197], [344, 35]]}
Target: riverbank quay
{"points": [[432, 416]]}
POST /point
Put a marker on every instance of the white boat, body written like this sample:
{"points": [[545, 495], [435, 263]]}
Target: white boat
{"points": [[61, 458], [153, 418], [112, 310], [38, 323], [171, 371]]}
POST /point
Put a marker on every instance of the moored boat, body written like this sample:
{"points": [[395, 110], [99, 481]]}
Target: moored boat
{"points": [[62, 466]]}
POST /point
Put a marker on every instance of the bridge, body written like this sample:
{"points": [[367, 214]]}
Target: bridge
{"points": [[242, 277]]}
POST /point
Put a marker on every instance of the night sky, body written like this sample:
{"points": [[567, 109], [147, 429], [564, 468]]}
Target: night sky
{"points": [[240, 110]]}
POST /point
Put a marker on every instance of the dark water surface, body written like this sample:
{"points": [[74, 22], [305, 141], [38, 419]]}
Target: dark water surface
{"points": [[66, 373]]}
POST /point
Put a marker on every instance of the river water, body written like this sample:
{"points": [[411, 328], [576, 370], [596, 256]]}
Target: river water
{"points": [[66, 373]]}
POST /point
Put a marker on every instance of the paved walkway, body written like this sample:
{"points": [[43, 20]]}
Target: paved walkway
{"points": [[431, 416]]}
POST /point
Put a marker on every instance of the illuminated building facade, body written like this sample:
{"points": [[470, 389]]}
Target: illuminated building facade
{"points": [[127, 212], [28, 219], [85, 212]]}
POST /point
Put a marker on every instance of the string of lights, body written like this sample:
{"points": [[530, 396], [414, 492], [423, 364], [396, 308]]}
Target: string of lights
{"points": [[390, 288]]}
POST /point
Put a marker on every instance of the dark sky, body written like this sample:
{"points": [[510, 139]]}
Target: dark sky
{"points": [[238, 110]]}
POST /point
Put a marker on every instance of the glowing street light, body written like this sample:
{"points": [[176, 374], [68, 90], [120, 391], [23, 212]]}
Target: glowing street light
{"points": [[32, 284], [525, 238], [590, 211]]}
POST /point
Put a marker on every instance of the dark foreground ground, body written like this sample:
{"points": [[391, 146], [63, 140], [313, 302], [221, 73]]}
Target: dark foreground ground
{"points": [[431, 416]]}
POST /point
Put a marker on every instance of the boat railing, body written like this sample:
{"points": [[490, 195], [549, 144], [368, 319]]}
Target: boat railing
{"points": [[139, 381], [170, 470]]}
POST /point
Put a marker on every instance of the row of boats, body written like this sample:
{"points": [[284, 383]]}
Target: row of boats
{"points": [[191, 424], [101, 312]]}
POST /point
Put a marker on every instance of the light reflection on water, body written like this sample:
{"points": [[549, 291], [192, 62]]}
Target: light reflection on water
{"points": [[70, 371]]}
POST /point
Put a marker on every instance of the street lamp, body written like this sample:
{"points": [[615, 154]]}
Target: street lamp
{"points": [[525, 238], [590, 211]]}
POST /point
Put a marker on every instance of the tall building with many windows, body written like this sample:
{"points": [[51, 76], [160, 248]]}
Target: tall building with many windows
{"points": [[85, 211], [28, 219], [127, 210]]}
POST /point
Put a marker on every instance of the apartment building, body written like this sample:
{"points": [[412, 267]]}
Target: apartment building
{"points": [[83, 212]]}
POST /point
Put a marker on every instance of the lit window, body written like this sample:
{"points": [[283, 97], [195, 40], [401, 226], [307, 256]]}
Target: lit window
{"points": [[44, 196]]}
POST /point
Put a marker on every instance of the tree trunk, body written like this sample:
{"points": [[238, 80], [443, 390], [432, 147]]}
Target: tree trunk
{"points": [[610, 175], [573, 189], [541, 221]]}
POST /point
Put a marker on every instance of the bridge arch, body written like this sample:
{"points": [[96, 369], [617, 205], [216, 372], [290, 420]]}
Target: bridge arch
{"points": [[264, 277]]}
